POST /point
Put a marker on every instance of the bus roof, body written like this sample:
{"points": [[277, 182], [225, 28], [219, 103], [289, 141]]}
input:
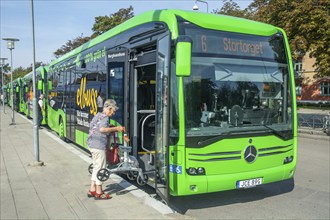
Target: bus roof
{"points": [[168, 16]]}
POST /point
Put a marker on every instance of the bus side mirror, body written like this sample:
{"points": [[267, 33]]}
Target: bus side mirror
{"points": [[39, 84], [50, 85], [183, 56]]}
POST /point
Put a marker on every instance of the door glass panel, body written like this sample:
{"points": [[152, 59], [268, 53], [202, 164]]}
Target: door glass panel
{"points": [[116, 68], [162, 117]]}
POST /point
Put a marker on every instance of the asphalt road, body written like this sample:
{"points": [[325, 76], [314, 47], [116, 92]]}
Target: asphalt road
{"points": [[304, 197]]}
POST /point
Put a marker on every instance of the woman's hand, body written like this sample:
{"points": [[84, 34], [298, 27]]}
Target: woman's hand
{"points": [[126, 139], [120, 129]]}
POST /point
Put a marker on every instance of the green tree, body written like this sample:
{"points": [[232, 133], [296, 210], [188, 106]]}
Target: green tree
{"points": [[229, 7], [105, 23], [21, 71], [101, 25], [307, 24], [70, 45]]}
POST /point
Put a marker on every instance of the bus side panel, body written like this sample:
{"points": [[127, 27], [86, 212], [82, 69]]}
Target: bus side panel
{"points": [[81, 138], [178, 182], [52, 118]]}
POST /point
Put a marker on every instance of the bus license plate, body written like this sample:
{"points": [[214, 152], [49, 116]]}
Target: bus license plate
{"points": [[249, 183]]}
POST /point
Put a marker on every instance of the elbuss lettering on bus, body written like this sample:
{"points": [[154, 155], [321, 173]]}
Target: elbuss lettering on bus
{"points": [[241, 46], [87, 98]]}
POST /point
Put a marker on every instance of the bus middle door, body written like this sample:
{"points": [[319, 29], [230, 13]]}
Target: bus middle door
{"points": [[69, 100]]}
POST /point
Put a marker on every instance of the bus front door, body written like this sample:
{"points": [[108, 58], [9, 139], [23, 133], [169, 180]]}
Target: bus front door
{"points": [[116, 88], [162, 117]]}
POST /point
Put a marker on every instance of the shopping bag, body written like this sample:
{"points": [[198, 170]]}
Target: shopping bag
{"points": [[112, 152]]}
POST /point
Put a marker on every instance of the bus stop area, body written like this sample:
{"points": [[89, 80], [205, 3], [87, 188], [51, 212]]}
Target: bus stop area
{"points": [[58, 189]]}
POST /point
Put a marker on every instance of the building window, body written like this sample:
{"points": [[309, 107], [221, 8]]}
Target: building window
{"points": [[298, 68], [298, 90], [325, 88]]}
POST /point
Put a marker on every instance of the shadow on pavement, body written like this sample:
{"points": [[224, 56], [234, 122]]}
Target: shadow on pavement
{"points": [[183, 204]]}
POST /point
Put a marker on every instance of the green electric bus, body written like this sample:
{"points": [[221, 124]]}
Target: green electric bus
{"points": [[17, 88], [8, 94], [17, 94], [5, 95], [208, 100], [28, 94]]}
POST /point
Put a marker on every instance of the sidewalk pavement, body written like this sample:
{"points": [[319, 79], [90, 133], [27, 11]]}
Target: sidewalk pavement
{"points": [[58, 189]]}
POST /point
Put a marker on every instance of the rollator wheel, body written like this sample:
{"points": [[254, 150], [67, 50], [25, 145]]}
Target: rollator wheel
{"points": [[131, 175], [141, 181], [103, 174], [90, 168]]}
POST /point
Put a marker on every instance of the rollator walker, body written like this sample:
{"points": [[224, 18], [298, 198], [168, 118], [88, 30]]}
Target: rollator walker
{"points": [[128, 165]]}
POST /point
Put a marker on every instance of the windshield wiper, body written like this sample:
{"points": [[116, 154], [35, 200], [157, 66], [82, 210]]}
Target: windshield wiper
{"points": [[219, 137], [276, 132], [213, 139], [210, 140]]}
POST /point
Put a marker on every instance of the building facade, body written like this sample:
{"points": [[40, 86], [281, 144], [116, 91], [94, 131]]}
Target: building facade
{"points": [[310, 89]]}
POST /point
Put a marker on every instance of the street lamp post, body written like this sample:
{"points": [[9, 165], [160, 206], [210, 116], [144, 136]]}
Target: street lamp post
{"points": [[2, 64], [37, 161], [197, 8], [11, 46]]}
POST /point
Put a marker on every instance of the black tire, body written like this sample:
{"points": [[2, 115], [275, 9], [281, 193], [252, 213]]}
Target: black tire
{"points": [[141, 181], [103, 174], [90, 168], [132, 175]]}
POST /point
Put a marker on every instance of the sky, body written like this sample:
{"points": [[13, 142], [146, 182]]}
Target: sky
{"points": [[57, 21]]}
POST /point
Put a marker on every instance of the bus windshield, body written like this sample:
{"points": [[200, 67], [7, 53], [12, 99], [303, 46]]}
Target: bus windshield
{"points": [[239, 84]]}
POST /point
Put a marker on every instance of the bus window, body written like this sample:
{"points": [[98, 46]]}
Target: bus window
{"points": [[146, 87], [91, 77], [116, 91], [78, 77], [60, 78], [238, 91]]}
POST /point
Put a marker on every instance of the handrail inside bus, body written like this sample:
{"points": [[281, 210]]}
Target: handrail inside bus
{"points": [[142, 134], [146, 111]]}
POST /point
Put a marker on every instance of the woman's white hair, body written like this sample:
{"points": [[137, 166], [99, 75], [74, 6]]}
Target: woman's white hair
{"points": [[110, 103]]}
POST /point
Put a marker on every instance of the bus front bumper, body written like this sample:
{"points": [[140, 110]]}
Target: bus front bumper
{"points": [[216, 183]]}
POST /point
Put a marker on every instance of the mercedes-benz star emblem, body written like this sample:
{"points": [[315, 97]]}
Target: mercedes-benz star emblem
{"points": [[250, 154]]}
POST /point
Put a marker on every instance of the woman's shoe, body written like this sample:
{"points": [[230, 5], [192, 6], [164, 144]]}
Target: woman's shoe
{"points": [[91, 194], [102, 196]]}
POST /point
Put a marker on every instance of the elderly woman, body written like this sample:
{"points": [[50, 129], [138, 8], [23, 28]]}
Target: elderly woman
{"points": [[97, 141]]}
